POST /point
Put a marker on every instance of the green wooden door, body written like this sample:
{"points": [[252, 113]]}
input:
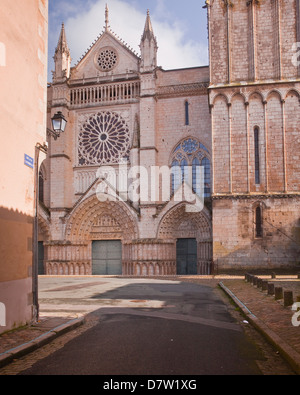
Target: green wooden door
{"points": [[186, 252], [107, 257]]}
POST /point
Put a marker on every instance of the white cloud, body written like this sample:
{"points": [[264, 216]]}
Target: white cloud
{"points": [[126, 21]]}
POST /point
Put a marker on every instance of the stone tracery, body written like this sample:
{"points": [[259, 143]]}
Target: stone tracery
{"points": [[191, 152], [103, 139], [107, 59]]}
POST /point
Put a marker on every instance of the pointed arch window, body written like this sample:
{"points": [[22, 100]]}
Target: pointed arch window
{"points": [[191, 153], [187, 115], [258, 222], [256, 151]]}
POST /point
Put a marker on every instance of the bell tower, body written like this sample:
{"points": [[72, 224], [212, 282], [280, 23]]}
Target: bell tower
{"points": [[254, 87]]}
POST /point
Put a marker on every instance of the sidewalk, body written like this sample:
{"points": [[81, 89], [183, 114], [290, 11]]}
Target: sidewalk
{"points": [[16, 343], [268, 315]]}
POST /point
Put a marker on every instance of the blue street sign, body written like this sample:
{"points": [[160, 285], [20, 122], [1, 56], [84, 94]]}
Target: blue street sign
{"points": [[28, 161]]}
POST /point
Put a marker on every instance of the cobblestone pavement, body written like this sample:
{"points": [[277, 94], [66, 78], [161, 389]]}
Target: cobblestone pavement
{"points": [[267, 315]]}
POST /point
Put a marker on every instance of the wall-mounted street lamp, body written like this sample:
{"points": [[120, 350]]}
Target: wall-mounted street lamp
{"points": [[58, 124]]}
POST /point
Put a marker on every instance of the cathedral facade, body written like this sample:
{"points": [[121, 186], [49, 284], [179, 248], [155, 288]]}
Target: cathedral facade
{"points": [[186, 171]]}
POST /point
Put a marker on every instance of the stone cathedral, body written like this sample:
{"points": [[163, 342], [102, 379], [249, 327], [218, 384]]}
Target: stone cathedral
{"points": [[238, 119]]}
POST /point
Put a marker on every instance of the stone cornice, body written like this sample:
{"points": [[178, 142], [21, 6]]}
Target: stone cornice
{"points": [[256, 196], [260, 83], [183, 90]]}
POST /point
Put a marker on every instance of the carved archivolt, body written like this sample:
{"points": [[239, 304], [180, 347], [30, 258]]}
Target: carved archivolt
{"points": [[44, 229], [44, 223], [178, 223], [94, 220]]}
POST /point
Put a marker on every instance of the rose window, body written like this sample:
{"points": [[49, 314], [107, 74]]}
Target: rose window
{"points": [[107, 59], [103, 138]]}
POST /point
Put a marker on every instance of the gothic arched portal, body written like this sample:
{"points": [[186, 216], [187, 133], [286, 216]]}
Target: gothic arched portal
{"points": [[96, 236], [189, 231]]}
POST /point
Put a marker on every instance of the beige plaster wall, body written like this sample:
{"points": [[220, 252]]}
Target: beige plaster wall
{"points": [[23, 76]]}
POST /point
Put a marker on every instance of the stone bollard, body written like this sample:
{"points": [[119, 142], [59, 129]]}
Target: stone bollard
{"points": [[271, 289], [255, 281], [259, 282], [264, 285], [278, 293], [288, 299]]}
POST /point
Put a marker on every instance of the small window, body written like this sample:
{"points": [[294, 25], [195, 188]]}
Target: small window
{"points": [[258, 222], [256, 149], [186, 108]]}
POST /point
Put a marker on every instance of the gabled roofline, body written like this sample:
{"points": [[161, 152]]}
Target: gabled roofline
{"points": [[115, 37]]}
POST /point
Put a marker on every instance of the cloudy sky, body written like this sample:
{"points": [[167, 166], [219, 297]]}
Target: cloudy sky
{"points": [[180, 27]]}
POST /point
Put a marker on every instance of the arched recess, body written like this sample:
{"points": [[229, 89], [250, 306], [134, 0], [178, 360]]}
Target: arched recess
{"points": [[88, 215], [238, 143], [88, 225], [275, 142], [256, 125], [177, 224], [292, 141], [221, 175]]}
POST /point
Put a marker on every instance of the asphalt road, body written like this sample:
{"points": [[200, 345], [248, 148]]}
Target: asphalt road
{"points": [[147, 327]]}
